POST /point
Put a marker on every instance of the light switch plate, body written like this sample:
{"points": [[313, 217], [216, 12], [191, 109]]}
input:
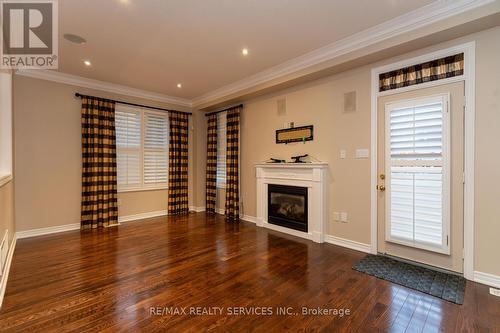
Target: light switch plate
{"points": [[336, 216], [362, 153], [343, 217]]}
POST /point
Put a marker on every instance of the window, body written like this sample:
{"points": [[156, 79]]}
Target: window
{"points": [[141, 148], [221, 150], [418, 173], [5, 127], [155, 149]]}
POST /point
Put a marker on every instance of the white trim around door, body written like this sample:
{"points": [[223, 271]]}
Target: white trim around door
{"points": [[469, 78]]}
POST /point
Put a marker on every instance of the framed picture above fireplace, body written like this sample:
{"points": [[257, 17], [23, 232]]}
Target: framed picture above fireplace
{"points": [[296, 134]]}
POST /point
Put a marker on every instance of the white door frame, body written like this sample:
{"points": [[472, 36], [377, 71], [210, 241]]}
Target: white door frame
{"points": [[469, 141]]}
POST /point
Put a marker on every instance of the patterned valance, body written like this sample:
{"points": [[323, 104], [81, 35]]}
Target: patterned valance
{"points": [[428, 71]]}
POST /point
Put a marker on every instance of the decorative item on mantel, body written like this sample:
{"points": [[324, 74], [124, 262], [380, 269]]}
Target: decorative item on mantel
{"points": [[295, 159], [298, 159], [295, 134], [275, 160]]}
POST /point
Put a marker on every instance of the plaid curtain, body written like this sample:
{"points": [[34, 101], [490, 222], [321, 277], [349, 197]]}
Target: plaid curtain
{"points": [[99, 185], [429, 71], [178, 163], [211, 186], [232, 153]]}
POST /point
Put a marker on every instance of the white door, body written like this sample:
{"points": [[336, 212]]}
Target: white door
{"points": [[420, 169]]}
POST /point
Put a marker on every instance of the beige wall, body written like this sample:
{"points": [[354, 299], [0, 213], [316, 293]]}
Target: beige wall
{"points": [[7, 210], [7, 200], [319, 103], [487, 166], [131, 203], [48, 156]]}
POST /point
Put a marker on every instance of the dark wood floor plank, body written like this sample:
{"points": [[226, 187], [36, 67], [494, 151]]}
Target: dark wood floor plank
{"points": [[419, 316], [108, 281]]}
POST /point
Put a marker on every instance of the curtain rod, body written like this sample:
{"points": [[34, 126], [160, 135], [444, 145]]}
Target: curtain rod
{"points": [[215, 112], [133, 104]]}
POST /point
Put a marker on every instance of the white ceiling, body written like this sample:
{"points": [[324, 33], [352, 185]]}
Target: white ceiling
{"points": [[155, 44]]}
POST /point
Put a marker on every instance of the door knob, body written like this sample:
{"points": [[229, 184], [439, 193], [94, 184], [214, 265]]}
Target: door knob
{"points": [[381, 188]]}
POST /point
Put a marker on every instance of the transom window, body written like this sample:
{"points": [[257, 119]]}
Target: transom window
{"points": [[142, 148]]}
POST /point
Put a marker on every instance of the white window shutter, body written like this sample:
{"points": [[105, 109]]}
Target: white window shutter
{"points": [[417, 132], [155, 149], [416, 204], [128, 168], [418, 172], [128, 144], [221, 150], [142, 148]]}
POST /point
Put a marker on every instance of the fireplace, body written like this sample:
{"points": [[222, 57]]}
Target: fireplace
{"points": [[307, 182], [287, 206]]}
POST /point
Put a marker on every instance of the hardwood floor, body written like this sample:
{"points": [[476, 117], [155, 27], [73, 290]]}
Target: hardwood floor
{"points": [[126, 278]]}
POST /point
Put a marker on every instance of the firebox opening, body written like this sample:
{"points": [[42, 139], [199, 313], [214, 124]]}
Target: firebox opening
{"points": [[287, 206]]}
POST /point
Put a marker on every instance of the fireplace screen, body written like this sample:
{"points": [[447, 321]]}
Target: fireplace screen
{"points": [[287, 206]]}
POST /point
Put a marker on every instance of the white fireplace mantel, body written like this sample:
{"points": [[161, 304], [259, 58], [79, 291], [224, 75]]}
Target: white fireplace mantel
{"points": [[310, 175]]}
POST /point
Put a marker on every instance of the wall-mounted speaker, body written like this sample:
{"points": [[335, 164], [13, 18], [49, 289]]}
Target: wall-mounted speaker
{"points": [[350, 101], [281, 106]]}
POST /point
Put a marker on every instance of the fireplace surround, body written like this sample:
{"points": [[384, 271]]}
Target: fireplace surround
{"points": [[311, 179]]}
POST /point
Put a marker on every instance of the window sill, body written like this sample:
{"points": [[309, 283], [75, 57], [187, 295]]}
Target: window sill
{"points": [[5, 179], [142, 189]]}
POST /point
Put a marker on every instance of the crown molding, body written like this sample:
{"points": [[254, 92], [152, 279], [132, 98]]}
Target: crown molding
{"points": [[414, 20], [79, 81]]}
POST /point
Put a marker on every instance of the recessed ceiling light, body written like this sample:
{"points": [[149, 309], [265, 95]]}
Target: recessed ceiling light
{"points": [[87, 63], [75, 39], [244, 51], [179, 85]]}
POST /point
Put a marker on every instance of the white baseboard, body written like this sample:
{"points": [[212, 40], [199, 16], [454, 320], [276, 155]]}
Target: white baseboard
{"points": [[328, 238], [222, 211], [487, 279], [288, 231], [248, 218], [76, 226], [5, 275], [142, 216], [47, 231], [197, 209], [350, 244]]}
